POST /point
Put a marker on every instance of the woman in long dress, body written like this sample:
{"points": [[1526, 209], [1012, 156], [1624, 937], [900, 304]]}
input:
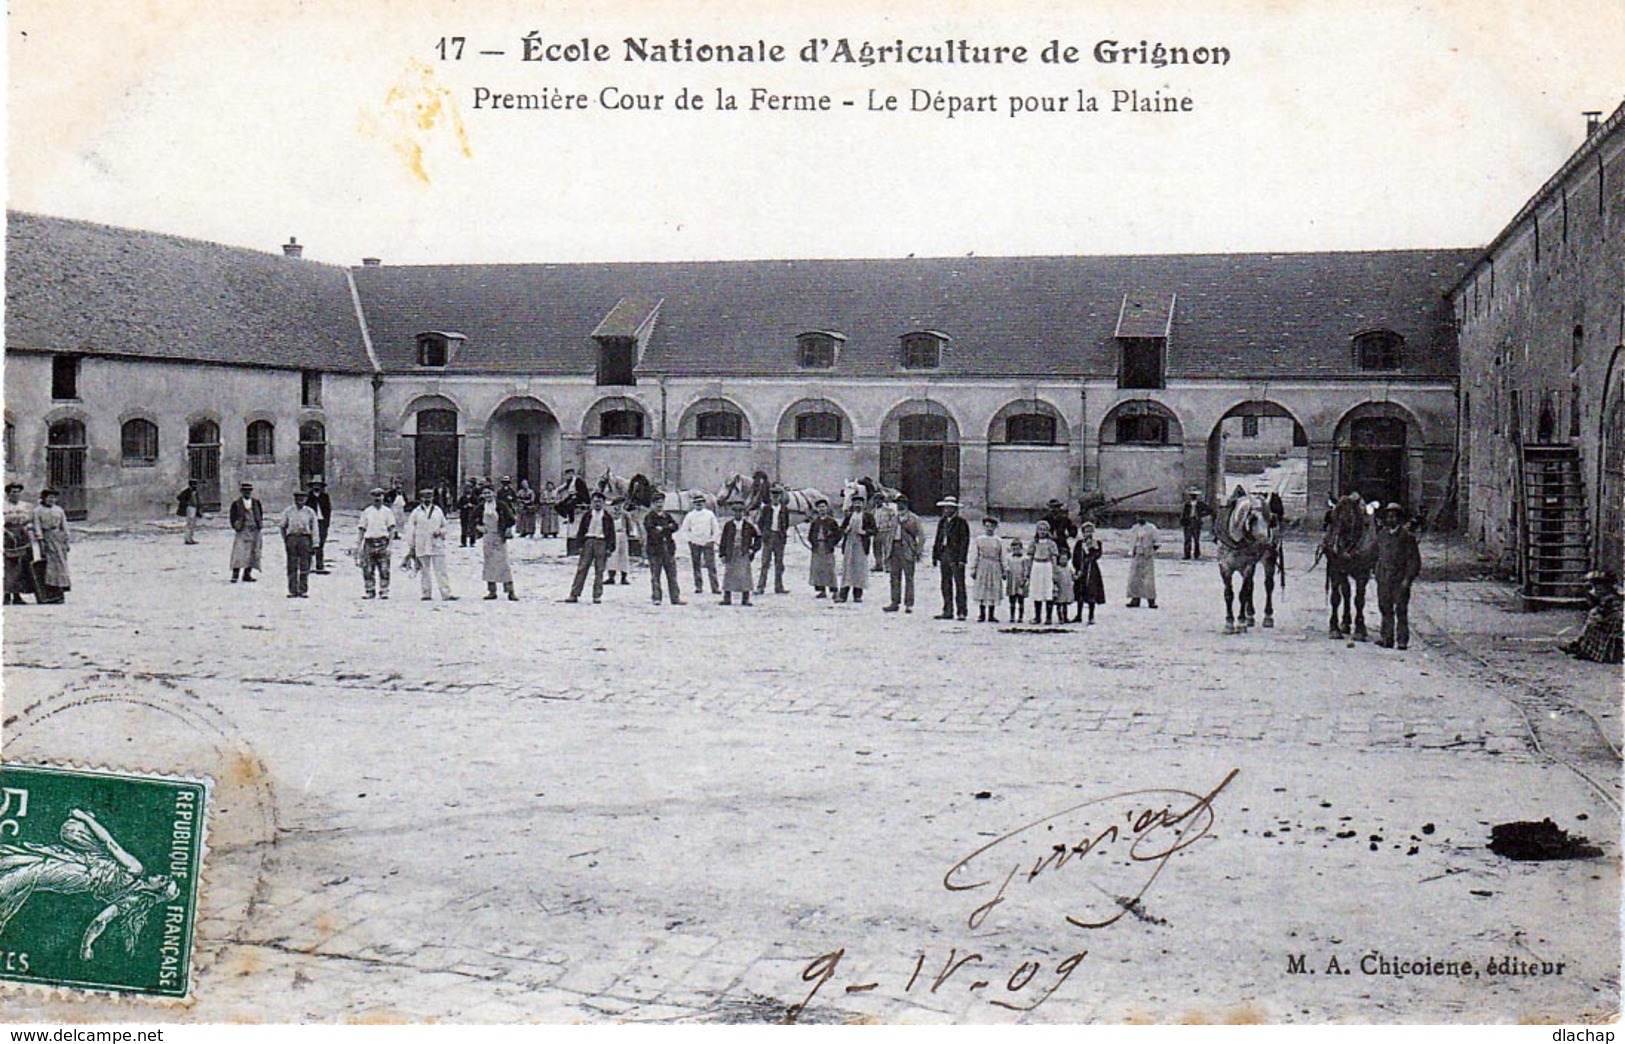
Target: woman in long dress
{"points": [[1041, 575], [51, 533], [987, 572], [19, 546], [1090, 587], [1142, 572], [547, 510], [496, 522], [856, 533]]}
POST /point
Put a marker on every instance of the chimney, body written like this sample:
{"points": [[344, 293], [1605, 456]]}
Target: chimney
{"points": [[292, 248], [372, 262], [1593, 121]]}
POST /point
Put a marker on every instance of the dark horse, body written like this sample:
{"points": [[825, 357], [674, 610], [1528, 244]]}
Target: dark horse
{"points": [[1247, 535], [1350, 547]]}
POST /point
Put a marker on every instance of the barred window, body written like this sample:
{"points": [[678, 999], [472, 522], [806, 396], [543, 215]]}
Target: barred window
{"points": [[139, 439], [261, 442], [818, 427]]}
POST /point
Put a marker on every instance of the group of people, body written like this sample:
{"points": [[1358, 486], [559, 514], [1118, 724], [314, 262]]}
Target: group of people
{"points": [[36, 547]]}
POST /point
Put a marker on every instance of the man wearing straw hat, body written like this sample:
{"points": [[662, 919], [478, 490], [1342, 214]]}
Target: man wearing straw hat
{"points": [[948, 554]]}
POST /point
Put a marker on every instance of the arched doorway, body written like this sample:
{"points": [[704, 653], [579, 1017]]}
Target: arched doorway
{"points": [[65, 447], [1372, 443], [522, 438], [919, 453], [203, 461], [1260, 445], [435, 449]]}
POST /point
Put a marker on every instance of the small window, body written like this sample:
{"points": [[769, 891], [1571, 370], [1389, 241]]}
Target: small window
{"points": [[1577, 347], [1140, 362], [922, 350], [818, 427], [433, 350], [11, 445], [261, 442], [617, 361], [817, 351], [1249, 427], [64, 377], [1030, 429], [1143, 429], [620, 424], [1378, 350], [720, 425], [139, 438], [310, 389]]}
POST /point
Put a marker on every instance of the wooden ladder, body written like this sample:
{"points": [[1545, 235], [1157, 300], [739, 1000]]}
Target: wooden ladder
{"points": [[1556, 538]]}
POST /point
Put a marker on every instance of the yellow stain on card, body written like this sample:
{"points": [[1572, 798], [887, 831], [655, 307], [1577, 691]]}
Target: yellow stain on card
{"points": [[416, 111]]}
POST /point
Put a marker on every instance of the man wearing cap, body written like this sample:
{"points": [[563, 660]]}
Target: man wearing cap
{"points": [[373, 534], [247, 519], [908, 541], [948, 554], [660, 545], [188, 504], [700, 530], [1061, 527], [426, 544], [322, 504], [298, 526], [773, 522], [595, 536], [1191, 515], [1398, 563], [739, 542]]}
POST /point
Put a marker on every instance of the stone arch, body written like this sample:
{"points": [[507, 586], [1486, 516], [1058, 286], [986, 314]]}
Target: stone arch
{"points": [[1259, 450], [919, 452], [1112, 433], [788, 424], [523, 441], [998, 433], [591, 420], [1610, 478], [432, 401], [1373, 448], [688, 425]]}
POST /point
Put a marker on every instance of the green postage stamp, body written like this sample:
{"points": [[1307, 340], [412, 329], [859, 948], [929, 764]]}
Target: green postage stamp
{"points": [[99, 879]]}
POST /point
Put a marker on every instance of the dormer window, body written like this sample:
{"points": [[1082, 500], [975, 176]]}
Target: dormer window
{"points": [[922, 350], [1378, 350], [436, 348], [818, 349]]}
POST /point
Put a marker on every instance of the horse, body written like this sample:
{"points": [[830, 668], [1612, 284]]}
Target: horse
{"points": [[1350, 548], [1247, 536], [871, 491]]}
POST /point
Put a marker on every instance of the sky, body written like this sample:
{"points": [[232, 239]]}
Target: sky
{"points": [[1334, 126]]}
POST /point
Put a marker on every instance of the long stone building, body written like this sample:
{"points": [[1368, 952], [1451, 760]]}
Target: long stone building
{"points": [[136, 359], [1541, 314]]}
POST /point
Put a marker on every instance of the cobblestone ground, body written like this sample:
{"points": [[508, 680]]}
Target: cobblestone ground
{"points": [[495, 811]]}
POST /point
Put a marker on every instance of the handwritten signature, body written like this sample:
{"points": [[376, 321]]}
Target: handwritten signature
{"points": [[1131, 835]]}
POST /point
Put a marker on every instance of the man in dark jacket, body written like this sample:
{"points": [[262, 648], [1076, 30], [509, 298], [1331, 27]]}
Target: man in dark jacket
{"points": [[189, 505], [773, 523], [1398, 563], [469, 507], [661, 547], [322, 504], [595, 536], [948, 554], [1061, 527], [1191, 516]]}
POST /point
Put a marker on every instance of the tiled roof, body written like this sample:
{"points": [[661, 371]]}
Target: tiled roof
{"points": [[1237, 315], [81, 287]]}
